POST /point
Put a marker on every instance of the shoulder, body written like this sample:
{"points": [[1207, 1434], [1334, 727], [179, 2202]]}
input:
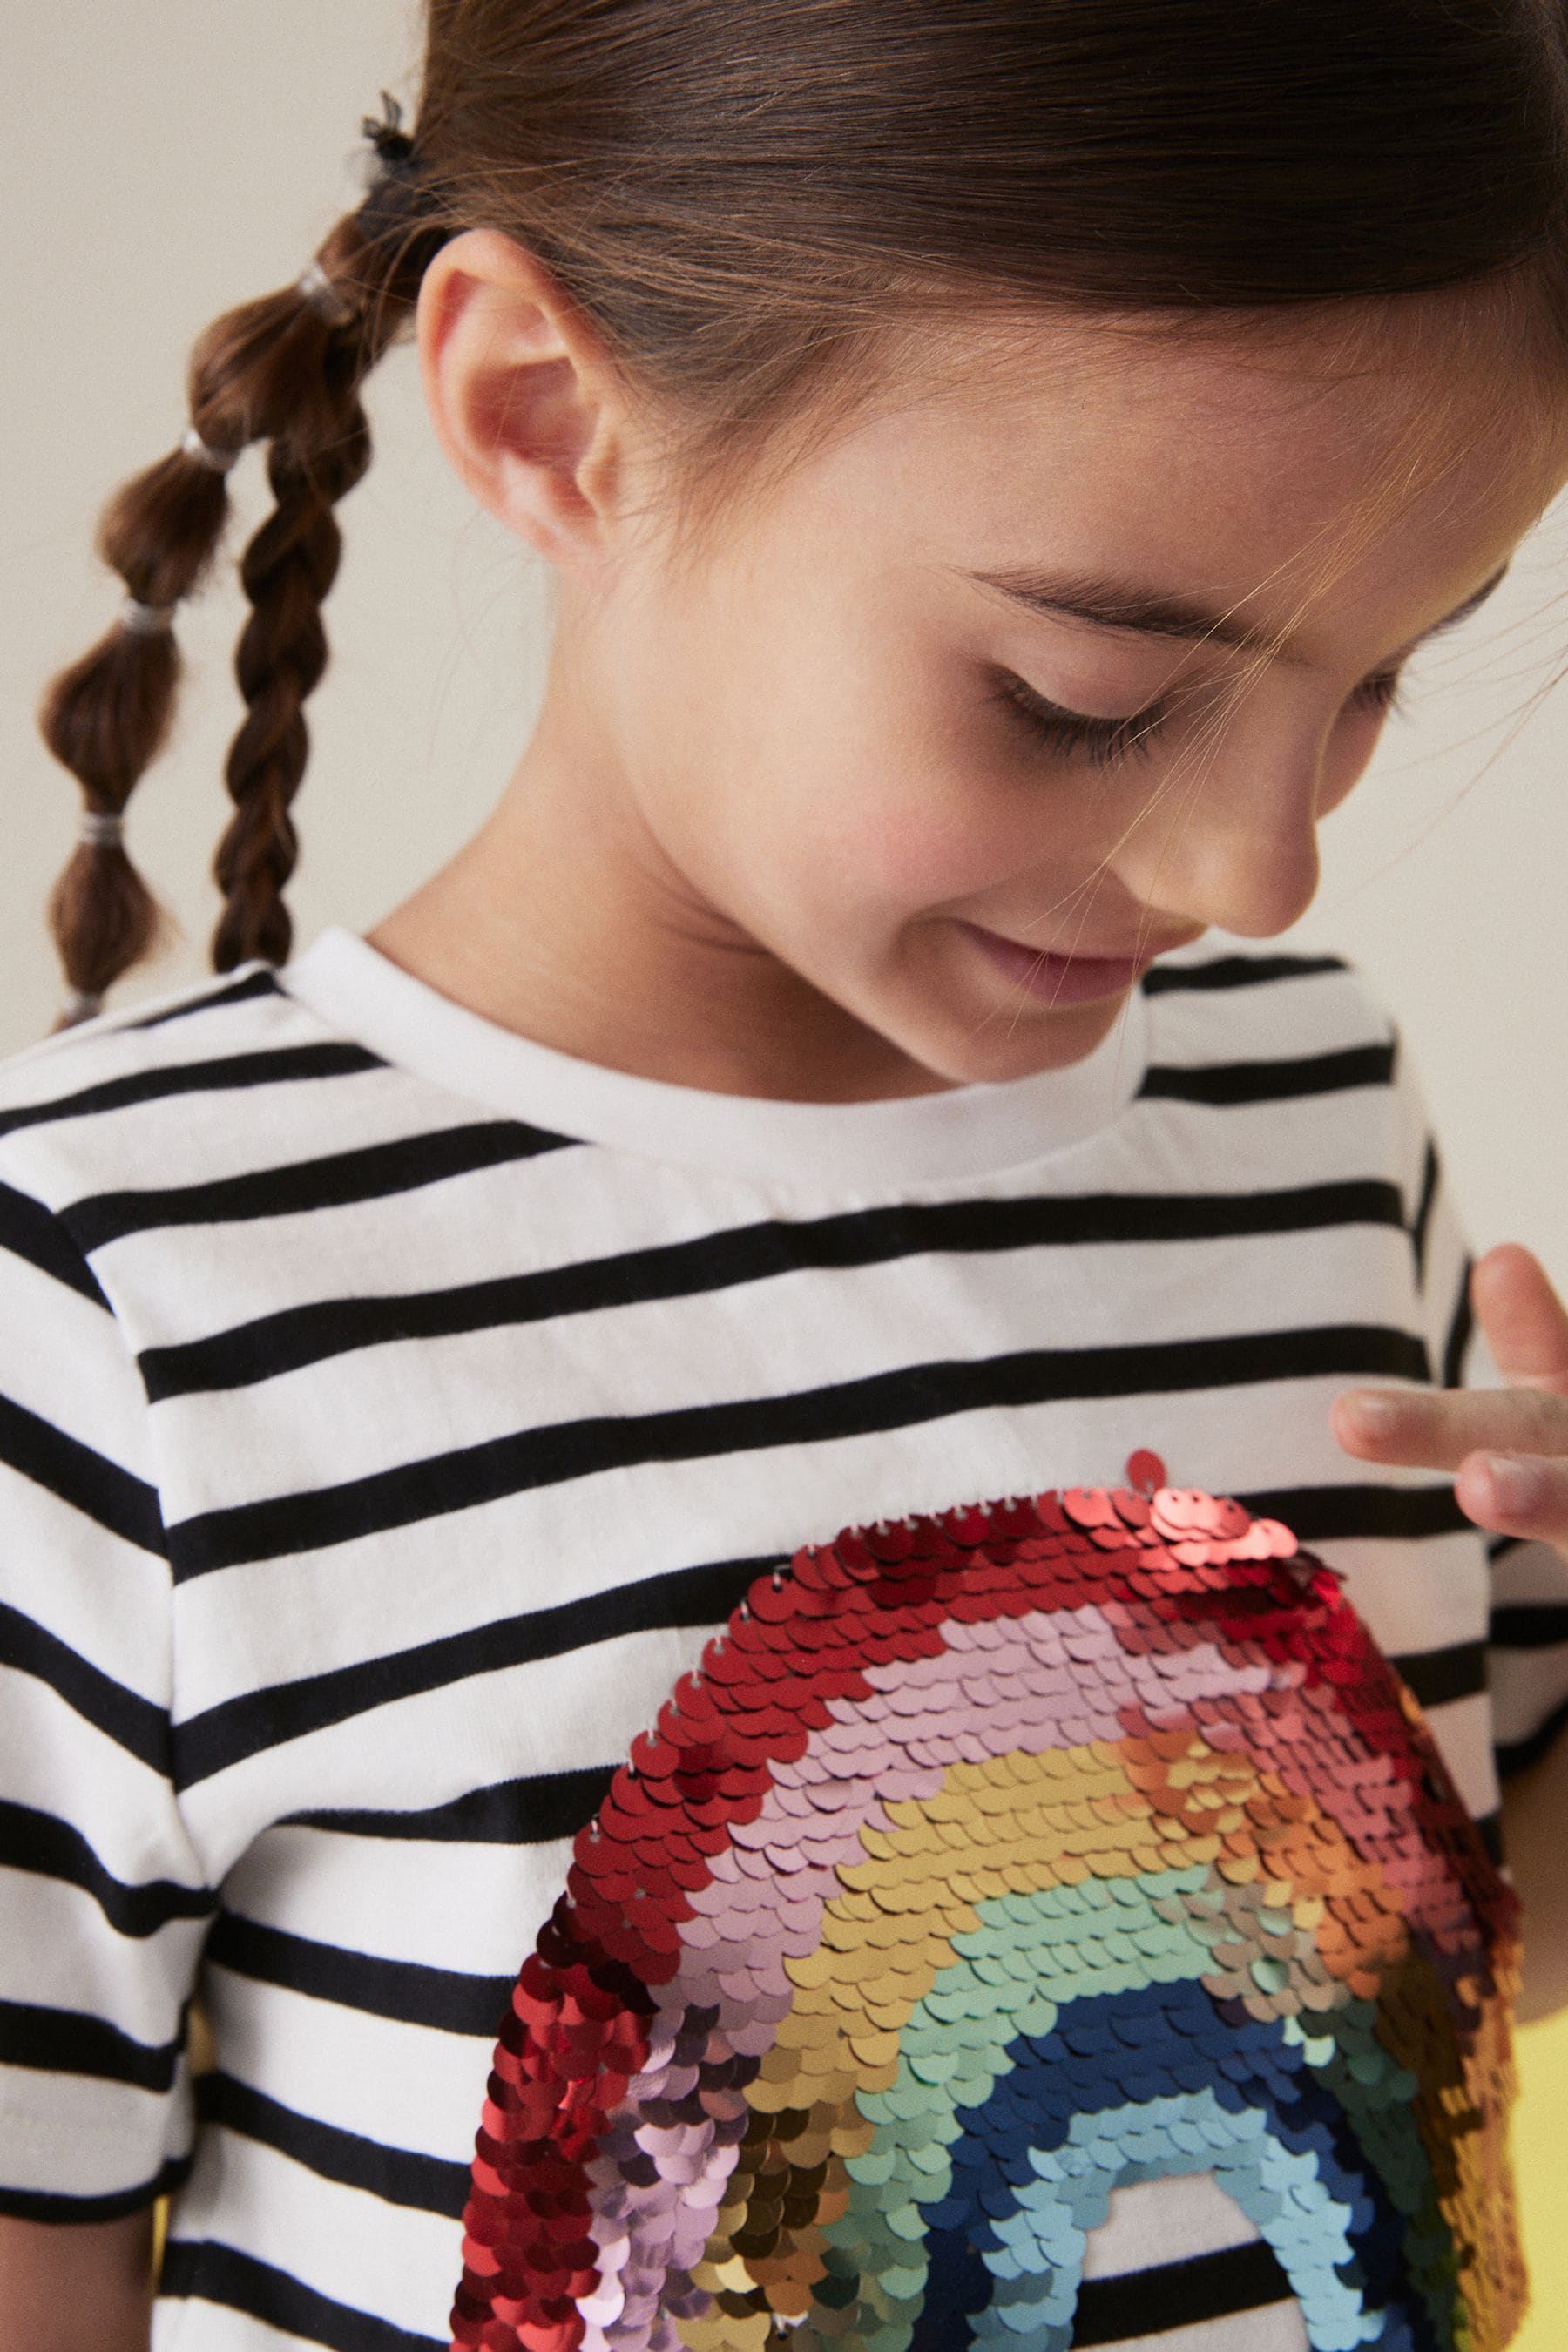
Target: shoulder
{"points": [[1298, 1050], [1217, 1005], [170, 1085]]}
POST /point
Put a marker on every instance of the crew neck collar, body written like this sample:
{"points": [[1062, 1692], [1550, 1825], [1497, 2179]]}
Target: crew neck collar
{"points": [[965, 1131]]}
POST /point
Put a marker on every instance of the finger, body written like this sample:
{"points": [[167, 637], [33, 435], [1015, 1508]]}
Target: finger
{"points": [[1515, 1494], [1525, 1322], [1434, 1429]]}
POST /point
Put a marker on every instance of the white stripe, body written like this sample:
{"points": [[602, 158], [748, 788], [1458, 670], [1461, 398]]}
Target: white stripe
{"points": [[135, 1984], [377, 1594], [770, 1338], [1530, 1573], [77, 1061], [1527, 1686], [352, 1892], [1463, 1732], [77, 2135], [1155, 2222], [388, 2260], [397, 2083], [194, 2325], [54, 1761]]}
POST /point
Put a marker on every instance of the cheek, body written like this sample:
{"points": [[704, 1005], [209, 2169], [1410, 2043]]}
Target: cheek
{"points": [[879, 788], [933, 806], [922, 838]]}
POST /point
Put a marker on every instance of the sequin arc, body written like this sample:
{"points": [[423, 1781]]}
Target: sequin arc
{"points": [[992, 1861]]}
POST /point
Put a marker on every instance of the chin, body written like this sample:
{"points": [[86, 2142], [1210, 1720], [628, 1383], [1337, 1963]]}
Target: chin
{"points": [[1012, 1042]]}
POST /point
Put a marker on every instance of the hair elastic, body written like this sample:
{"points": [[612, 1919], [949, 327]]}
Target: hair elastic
{"points": [[216, 461], [102, 828], [323, 296], [146, 620]]}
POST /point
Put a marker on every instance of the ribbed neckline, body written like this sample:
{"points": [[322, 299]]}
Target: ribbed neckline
{"points": [[965, 1131]]}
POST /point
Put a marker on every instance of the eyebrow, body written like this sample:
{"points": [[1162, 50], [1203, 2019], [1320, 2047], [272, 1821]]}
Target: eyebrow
{"points": [[1118, 604]]}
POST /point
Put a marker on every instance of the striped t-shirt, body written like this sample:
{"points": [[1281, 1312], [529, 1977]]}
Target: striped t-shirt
{"points": [[391, 1410]]}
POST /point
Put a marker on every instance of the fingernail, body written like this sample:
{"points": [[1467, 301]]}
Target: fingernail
{"points": [[1518, 1484], [1375, 1414]]}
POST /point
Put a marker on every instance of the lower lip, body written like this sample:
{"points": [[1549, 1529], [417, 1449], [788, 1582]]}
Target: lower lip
{"points": [[1059, 980]]}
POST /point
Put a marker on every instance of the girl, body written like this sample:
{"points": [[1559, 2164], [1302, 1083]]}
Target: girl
{"points": [[996, 461]]}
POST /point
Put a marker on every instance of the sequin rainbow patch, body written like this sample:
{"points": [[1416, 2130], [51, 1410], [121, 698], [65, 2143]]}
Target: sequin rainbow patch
{"points": [[992, 1861]]}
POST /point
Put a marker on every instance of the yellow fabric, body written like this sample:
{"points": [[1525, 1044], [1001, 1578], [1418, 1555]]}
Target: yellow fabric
{"points": [[1540, 2162]]}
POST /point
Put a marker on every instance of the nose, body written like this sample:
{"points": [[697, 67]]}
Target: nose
{"points": [[1236, 849], [1254, 877]]}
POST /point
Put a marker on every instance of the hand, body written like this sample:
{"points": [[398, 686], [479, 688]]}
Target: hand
{"points": [[1508, 1446]]}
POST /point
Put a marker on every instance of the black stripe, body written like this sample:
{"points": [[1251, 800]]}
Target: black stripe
{"points": [[1349, 1513], [371, 1172], [271, 1068], [1422, 1220], [1225, 1084], [1438, 1678], [244, 1726], [50, 1848], [309, 1334], [67, 2042], [126, 1506], [1460, 1329], [1179, 2294], [398, 2176], [1529, 1624], [31, 2205], [439, 1998], [241, 1726], [237, 992], [908, 1396], [30, 1230], [210, 2273], [1489, 1826], [1518, 1755], [1235, 971], [133, 1722], [527, 1812]]}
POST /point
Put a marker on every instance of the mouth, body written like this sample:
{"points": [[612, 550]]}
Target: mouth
{"points": [[1064, 979]]}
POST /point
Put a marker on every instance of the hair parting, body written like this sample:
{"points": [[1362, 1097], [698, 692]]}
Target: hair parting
{"points": [[764, 229]]}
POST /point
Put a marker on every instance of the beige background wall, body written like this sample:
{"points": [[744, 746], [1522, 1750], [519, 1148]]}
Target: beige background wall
{"points": [[167, 159]]}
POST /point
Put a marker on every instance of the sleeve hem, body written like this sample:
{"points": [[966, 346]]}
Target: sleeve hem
{"points": [[57, 2210]]}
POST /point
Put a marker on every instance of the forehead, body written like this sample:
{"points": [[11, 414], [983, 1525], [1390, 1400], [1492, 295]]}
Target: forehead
{"points": [[1256, 468]]}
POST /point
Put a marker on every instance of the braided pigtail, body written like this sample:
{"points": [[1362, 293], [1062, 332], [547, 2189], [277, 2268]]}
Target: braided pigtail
{"points": [[284, 370], [319, 448], [107, 717]]}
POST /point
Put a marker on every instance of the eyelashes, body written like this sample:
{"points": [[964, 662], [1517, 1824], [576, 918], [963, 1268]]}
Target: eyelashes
{"points": [[1102, 742], [1109, 742]]}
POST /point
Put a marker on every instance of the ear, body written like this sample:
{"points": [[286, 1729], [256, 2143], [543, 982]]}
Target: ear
{"points": [[520, 393]]}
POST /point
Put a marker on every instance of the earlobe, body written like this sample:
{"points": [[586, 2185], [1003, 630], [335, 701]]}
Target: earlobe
{"points": [[516, 387]]}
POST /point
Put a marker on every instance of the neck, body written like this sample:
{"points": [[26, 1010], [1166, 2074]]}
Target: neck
{"points": [[564, 921]]}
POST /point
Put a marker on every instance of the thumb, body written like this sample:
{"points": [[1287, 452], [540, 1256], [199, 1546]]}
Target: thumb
{"points": [[1525, 1322]]}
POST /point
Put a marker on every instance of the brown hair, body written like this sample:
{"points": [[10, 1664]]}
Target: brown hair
{"points": [[742, 201]]}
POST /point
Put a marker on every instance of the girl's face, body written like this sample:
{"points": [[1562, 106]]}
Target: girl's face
{"points": [[972, 720]]}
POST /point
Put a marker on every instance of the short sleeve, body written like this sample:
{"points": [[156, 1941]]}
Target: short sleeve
{"points": [[102, 1909], [1527, 1661]]}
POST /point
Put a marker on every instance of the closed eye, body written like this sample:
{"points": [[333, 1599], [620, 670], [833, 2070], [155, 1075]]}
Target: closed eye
{"points": [[1109, 742], [1380, 693], [1103, 742]]}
